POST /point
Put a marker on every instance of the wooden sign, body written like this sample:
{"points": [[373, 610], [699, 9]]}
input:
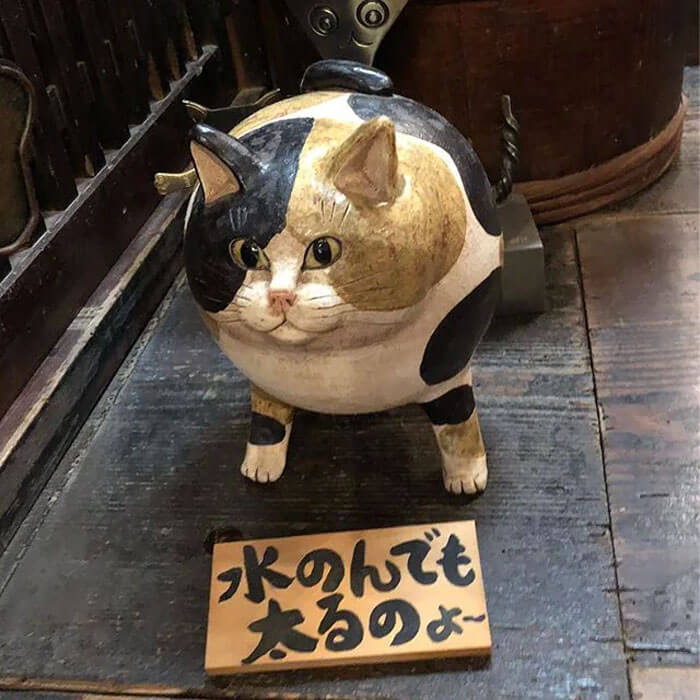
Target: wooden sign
{"points": [[393, 594]]}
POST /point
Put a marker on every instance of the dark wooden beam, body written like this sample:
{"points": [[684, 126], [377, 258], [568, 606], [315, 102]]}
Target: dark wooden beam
{"points": [[46, 416], [46, 287]]}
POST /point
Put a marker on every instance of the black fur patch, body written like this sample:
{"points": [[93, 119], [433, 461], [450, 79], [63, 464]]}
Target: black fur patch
{"points": [[451, 408], [265, 430], [454, 340], [338, 74], [258, 213], [417, 120]]}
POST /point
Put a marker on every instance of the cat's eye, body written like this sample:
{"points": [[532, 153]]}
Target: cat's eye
{"points": [[248, 254], [322, 252]]}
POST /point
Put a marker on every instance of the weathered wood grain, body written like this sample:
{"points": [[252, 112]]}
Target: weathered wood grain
{"points": [[79, 108], [677, 683], [679, 190], [17, 688], [107, 577], [112, 105], [656, 277], [46, 416], [641, 284]]}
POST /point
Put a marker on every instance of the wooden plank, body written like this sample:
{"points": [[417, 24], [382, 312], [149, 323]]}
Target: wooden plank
{"points": [[659, 683], [245, 40], [55, 87], [159, 41], [171, 13], [113, 548], [40, 297], [641, 285], [150, 49], [202, 14], [132, 66], [45, 417], [113, 117], [18, 688], [438, 612], [66, 63]]}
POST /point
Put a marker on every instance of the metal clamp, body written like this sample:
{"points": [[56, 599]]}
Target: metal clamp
{"points": [[351, 29]]}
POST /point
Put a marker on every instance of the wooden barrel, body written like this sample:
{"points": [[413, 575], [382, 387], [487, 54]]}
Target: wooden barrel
{"points": [[595, 85]]}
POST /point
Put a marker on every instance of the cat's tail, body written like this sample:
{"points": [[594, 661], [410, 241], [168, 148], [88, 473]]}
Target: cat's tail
{"points": [[510, 137]]}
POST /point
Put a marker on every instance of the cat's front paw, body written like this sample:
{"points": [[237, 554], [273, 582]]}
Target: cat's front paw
{"points": [[465, 475], [264, 463]]}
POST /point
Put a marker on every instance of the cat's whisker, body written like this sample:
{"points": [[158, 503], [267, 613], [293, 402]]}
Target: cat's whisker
{"points": [[322, 296], [329, 306], [365, 290], [344, 217]]}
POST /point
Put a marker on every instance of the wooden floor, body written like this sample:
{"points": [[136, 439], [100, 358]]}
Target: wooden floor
{"points": [[588, 529]]}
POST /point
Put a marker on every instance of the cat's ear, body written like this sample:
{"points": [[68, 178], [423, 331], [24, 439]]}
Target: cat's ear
{"points": [[224, 165], [365, 167]]}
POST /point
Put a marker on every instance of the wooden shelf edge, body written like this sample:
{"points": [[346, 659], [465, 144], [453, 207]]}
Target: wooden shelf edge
{"points": [[52, 407]]}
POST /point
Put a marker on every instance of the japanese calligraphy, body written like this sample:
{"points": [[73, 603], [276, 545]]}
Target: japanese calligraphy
{"points": [[346, 597]]}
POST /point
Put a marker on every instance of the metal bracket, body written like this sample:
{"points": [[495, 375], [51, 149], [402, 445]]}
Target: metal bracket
{"points": [[351, 29], [523, 278], [247, 102]]}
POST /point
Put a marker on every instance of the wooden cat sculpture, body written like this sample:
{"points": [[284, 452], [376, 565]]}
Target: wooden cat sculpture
{"points": [[345, 252]]}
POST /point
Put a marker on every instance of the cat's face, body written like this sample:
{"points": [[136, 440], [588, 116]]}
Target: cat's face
{"points": [[320, 232]]}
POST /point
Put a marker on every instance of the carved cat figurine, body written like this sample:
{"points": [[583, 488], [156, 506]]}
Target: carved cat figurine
{"points": [[345, 252]]}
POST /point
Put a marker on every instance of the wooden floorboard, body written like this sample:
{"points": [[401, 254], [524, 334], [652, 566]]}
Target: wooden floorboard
{"points": [[672, 683], [641, 275], [107, 579]]}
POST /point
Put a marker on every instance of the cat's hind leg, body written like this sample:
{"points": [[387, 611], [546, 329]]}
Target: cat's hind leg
{"points": [[456, 425], [270, 427]]}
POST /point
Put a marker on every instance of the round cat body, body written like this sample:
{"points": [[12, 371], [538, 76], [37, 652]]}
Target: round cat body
{"points": [[343, 246]]}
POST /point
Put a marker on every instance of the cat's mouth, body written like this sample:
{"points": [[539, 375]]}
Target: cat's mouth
{"points": [[287, 332]]}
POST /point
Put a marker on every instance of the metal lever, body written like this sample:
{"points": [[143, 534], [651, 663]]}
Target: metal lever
{"points": [[351, 29], [247, 102]]}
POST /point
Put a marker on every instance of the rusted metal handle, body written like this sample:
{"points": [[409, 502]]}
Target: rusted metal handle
{"points": [[18, 226], [511, 151]]}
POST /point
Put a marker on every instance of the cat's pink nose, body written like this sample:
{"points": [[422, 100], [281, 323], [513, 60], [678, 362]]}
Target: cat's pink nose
{"points": [[281, 301]]}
